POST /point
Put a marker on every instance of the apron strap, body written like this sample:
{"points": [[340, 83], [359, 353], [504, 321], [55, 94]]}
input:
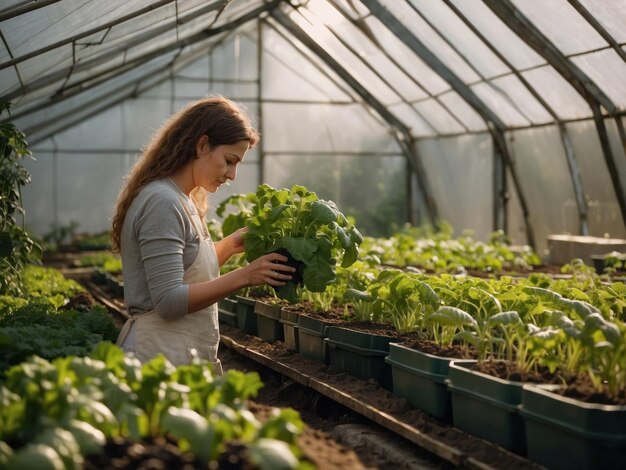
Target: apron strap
{"points": [[202, 234], [127, 326]]}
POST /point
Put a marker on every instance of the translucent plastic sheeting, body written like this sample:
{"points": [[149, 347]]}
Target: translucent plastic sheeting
{"points": [[545, 179], [611, 14], [608, 71], [511, 46], [439, 117], [460, 175], [357, 40], [62, 20], [432, 40], [470, 119], [515, 224], [38, 197], [346, 92], [288, 75], [558, 93], [411, 118], [364, 187], [461, 36], [76, 187], [562, 25], [322, 127], [501, 104], [45, 118], [58, 22], [236, 57], [511, 89], [603, 211], [431, 82], [323, 37]]}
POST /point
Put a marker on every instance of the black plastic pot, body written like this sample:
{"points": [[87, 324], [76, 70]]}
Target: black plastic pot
{"points": [[289, 321], [246, 318], [360, 354], [296, 277], [421, 379], [227, 311], [312, 334], [269, 327]]}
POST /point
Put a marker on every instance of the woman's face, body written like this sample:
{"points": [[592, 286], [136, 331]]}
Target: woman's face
{"points": [[215, 166]]}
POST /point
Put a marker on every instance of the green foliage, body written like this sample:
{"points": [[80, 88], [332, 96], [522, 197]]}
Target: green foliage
{"points": [[96, 241], [314, 232], [38, 323], [40, 329], [434, 249], [58, 411], [16, 246], [105, 260], [346, 179]]}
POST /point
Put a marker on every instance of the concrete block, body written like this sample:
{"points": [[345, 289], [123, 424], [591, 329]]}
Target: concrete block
{"points": [[564, 248]]}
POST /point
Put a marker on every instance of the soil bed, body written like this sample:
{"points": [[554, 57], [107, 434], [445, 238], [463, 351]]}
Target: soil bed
{"points": [[369, 392]]}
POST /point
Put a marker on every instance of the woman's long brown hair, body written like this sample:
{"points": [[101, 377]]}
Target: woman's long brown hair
{"points": [[174, 144]]}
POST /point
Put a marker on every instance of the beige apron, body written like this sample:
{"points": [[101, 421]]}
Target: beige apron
{"points": [[177, 338]]}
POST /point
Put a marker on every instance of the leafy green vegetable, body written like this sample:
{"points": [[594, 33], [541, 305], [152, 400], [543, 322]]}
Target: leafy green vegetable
{"points": [[314, 232], [61, 410]]}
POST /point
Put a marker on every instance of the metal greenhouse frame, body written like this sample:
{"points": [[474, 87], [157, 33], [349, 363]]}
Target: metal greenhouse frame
{"points": [[490, 114]]}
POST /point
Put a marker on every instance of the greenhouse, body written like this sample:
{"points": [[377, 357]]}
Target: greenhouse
{"points": [[439, 187]]}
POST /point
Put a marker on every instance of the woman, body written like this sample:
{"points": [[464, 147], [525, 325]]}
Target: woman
{"points": [[170, 265]]}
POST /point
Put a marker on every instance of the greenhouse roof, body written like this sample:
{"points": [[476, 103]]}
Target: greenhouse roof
{"points": [[428, 69]]}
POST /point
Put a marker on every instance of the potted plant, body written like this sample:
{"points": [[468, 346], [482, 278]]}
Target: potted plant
{"points": [[269, 327], [311, 232], [396, 298], [582, 424]]}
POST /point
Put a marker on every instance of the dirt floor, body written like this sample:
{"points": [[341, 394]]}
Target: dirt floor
{"points": [[334, 437], [371, 393]]}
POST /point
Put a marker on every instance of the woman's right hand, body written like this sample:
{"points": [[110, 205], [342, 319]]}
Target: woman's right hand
{"points": [[268, 269]]}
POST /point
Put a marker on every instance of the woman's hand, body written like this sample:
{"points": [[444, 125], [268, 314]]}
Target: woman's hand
{"points": [[268, 270], [236, 240], [230, 245]]}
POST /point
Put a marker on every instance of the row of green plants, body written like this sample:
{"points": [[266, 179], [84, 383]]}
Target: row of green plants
{"points": [[435, 249], [572, 326], [41, 321], [53, 414], [568, 326]]}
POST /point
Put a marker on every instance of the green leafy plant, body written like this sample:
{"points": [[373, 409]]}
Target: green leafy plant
{"points": [[311, 231], [112, 394], [16, 246], [398, 298]]}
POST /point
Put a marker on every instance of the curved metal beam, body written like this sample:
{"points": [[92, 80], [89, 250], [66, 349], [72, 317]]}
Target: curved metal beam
{"points": [[494, 123], [584, 85], [577, 184], [403, 134], [598, 27], [89, 64], [25, 7]]}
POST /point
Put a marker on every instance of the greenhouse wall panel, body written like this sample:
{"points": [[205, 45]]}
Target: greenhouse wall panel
{"points": [[364, 187], [460, 175], [545, 180], [603, 211], [333, 128]]}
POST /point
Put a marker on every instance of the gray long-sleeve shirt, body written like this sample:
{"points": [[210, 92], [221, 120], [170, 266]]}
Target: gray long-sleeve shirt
{"points": [[158, 244]]}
